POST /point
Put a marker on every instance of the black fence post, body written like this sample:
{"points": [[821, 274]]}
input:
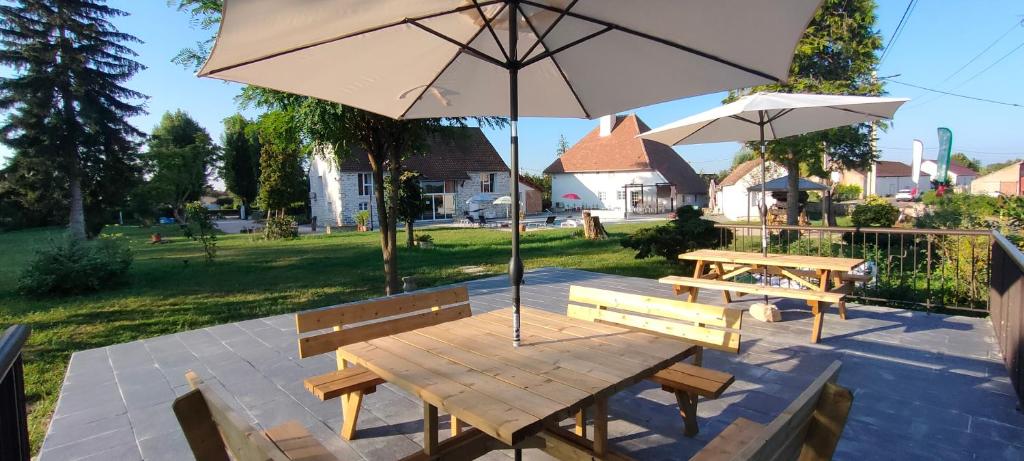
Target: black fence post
{"points": [[14, 445]]}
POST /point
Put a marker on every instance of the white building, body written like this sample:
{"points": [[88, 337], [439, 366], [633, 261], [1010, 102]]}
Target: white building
{"points": [[612, 169], [734, 201], [960, 177], [454, 168], [885, 178]]}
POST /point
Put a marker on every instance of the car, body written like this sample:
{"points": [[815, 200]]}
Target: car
{"points": [[904, 195]]}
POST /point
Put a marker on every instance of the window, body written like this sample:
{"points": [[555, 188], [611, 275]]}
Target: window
{"points": [[487, 182], [620, 194], [365, 184], [602, 196], [363, 206]]}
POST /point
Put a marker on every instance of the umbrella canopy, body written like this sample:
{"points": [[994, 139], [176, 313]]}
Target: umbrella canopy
{"points": [[571, 196], [768, 116], [781, 184], [559, 58], [780, 114], [503, 200]]}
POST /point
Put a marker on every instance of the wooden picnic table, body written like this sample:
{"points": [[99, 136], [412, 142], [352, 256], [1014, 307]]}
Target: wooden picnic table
{"points": [[517, 396], [830, 275]]}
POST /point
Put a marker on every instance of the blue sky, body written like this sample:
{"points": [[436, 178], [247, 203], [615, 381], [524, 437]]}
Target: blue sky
{"points": [[938, 38]]}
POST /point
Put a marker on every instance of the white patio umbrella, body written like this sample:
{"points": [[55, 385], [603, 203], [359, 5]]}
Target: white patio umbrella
{"points": [[769, 116], [557, 58]]}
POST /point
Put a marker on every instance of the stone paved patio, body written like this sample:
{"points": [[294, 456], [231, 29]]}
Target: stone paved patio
{"points": [[926, 386]]}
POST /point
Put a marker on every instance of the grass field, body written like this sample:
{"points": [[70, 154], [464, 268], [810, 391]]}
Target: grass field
{"points": [[173, 289]]}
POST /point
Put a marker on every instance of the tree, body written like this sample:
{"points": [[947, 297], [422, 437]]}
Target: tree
{"points": [[837, 55], [410, 203], [334, 130], [563, 146], [992, 167], [181, 154], [282, 179], [544, 182], [962, 159], [240, 159], [67, 107]]}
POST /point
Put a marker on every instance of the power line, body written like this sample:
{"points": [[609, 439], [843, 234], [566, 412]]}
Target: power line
{"points": [[975, 98], [989, 47], [997, 61], [899, 30], [965, 150]]}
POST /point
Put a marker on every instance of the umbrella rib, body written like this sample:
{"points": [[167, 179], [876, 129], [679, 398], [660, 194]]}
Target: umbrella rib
{"points": [[554, 23], [552, 53], [660, 40], [348, 35], [463, 47], [869, 114], [487, 24], [696, 131], [565, 78], [444, 69]]}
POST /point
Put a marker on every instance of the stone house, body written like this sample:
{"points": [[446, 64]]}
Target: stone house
{"points": [[455, 167]]}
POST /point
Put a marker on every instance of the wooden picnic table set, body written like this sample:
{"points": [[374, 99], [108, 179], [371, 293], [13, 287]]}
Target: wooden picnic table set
{"points": [[431, 345]]}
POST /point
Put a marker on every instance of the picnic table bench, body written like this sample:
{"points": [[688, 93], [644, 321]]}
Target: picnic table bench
{"points": [[716, 269]]}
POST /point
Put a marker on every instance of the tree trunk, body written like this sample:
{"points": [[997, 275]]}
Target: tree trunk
{"points": [[408, 233], [387, 247], [792, 192], [76, 216], [829, 217]]}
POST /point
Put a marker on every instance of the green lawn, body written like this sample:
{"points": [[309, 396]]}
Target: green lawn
{"points": [[173, 289]]}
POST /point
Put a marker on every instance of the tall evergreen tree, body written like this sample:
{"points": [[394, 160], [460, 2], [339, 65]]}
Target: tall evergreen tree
{"points": [[67, 108], [837, 55], [240, 160]]}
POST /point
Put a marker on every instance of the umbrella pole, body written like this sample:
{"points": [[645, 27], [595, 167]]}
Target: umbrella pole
{"points": [[764, 207], [515, 269]]}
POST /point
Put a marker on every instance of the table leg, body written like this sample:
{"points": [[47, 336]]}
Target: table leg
{"points": [[698, 272], [601, 427], [818, 307], [456, 425], [837, 281], [429, 429], [581, 422], [725, 293]]}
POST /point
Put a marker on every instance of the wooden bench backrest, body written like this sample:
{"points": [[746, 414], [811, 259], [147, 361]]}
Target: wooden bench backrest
{"points": [[212, 428], [809, 429], [365, 320], [710, 326]]}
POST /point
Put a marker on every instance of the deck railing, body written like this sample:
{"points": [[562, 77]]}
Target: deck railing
{"points": [[923, 268], [14, 445], [1006, 304]]}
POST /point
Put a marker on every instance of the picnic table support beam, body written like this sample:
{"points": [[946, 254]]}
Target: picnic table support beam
{"points": [[601, 426], [429, 429], [581, 422]]}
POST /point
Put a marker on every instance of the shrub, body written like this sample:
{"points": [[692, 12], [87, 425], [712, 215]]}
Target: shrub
{"points": [[72, 266], [844, 192], [875, 212], [686, 232], [280, 227], [362, 218], [424, 238], [200, 228]]}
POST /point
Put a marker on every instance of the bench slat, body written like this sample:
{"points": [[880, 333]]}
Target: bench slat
{"points": [[327, 342], [297, 443], [752, 288], [658, 307], [740, 433], [716, 339], [364, 311], [702, 381], [337, 383]]}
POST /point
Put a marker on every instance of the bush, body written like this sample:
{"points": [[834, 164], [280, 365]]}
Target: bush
{"points": [[844, 192], [281, 227], [875, 212], [73, 266], [362, 218], [424, 238], [961, 211], [686, 232], [200, 228]]}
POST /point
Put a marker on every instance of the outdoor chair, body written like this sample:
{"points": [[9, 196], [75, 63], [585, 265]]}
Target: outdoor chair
{"points": [[550, 221], [707, 326], [215, 432], [362, 321], [471, 220]]}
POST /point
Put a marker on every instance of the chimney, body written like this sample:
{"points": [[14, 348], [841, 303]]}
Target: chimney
{"points": [[607, 123]]}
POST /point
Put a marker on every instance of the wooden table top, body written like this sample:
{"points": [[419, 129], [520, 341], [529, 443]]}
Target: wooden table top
{"points": [[469, 368], [777, 260]]}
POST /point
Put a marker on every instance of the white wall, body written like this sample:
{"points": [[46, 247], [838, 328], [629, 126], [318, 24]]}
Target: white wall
{"points": [[887, 186], [733, 199], [325, 192], [589, 185]]}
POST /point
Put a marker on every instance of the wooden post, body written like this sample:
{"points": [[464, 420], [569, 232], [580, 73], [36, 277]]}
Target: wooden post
{"points": [[601, 426], [429, 429], [592, 227], [581, 422]]}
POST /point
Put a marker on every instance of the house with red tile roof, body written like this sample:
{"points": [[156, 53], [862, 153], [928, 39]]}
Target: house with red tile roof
{"points": [[610, 168], [455, 167], [885, 178], [960, 177]]}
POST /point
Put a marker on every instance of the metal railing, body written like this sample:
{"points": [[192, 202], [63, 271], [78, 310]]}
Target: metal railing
{"points": [[923, 268], [1006, 304], [14, 444]]}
